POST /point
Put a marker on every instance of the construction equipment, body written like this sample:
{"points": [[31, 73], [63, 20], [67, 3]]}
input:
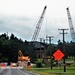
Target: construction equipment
{"points": [[38, 26], [21, 57], [22, 60], [71, 25]]}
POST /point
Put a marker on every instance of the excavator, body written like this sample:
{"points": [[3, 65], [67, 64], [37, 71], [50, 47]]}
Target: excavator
{"points": [[22, 60], [21, 57]]}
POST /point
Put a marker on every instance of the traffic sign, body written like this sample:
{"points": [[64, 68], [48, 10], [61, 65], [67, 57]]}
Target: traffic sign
{"points": [[58, 55]]}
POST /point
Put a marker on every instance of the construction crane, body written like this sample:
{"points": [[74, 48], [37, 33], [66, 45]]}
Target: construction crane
{"points": [[71, 25], [38, 26]]}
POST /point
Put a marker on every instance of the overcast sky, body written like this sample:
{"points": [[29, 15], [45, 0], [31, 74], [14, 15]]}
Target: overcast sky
{"points": [[21, 16]]}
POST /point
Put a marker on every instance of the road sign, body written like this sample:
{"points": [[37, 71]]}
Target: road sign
{"points": [[58, 55]]}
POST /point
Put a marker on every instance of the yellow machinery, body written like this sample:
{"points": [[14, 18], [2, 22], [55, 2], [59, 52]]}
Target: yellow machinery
{"points": [[22, 60], [21, 57]]}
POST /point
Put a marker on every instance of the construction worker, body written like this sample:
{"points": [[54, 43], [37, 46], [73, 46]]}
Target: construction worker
{"points": [[29, 64]]}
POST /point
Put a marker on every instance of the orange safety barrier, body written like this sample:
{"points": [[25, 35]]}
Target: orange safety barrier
{"points": [[3, 65], [29, 66]]}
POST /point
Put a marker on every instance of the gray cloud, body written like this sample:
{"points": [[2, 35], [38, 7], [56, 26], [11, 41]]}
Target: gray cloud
{"points": [[22, 27], [17, 25]]}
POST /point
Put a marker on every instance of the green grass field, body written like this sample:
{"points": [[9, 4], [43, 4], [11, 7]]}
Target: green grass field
{"points": [[54, 71]]}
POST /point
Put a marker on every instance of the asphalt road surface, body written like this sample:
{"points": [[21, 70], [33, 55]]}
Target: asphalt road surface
{"points": [[15, 71]]}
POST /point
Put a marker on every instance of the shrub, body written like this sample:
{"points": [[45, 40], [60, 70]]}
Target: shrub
{"points": [[73, 65], [39, 64]]}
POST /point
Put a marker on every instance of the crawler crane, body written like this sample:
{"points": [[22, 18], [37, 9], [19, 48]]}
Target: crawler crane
{"points": [[71, 25], [38, 26]]}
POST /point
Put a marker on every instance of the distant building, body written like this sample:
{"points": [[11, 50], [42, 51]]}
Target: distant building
{"points": [[39, 49]]}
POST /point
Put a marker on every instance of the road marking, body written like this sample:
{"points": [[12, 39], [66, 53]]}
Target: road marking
{"points": [[29, 72], [1, 70], [22, 72]]}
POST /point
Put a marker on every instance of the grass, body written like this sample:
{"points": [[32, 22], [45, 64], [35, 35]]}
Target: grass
{"points": [[54, 71], [57, 70]]}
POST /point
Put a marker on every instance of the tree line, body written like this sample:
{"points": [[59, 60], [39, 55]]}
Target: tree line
{"points": [[9, 47]]}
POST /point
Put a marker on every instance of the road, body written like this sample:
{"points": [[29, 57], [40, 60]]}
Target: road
{"points": [[15, 71]]}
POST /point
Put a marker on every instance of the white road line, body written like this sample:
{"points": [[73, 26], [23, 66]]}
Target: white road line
{"points": [[28, 74], [1, 70], [21, 72]]}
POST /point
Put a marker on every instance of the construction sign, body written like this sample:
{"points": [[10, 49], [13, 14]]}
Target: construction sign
{"points": [[58, 55]]}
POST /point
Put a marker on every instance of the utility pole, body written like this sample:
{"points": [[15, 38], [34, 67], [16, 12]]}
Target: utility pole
{"points": [[63, 32], [44, 58], [40, 47], [44, 41], [50, 38]]}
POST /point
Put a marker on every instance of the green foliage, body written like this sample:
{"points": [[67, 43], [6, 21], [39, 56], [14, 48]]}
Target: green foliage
{"points": [[39, 64], [9, 47], [73, 65]]}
